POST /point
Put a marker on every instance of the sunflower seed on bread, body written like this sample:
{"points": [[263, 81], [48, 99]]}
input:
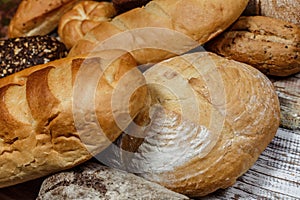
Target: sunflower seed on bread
{"points": [[19, 53]]}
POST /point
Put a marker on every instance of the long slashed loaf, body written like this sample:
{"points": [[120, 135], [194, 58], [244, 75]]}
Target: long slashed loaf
{"points": [[199, 20], [210, 120], [57, 115], [38, 17]]}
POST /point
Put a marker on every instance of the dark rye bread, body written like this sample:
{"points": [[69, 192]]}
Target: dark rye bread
{"points": [[17, 54], [268, 44], [125, 5]]}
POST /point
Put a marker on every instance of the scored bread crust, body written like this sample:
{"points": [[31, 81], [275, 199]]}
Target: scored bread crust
{"points": [[84, 16], [46, 121], [38, 17], [200, 20], [196, 144]]}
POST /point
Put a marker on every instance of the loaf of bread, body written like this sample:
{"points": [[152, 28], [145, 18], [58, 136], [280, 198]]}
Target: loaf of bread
{"points": [[84, 16], [210, 120], [57, 115], [287, 10], [163, 28], [268, 44], [38, 17], [19, 53]]}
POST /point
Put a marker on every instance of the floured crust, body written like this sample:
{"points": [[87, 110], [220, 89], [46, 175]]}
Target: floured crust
{"points": [[50, 122], [287, 10], [268, 44], [75, 23], [211, 118], [197, 20], [38, 17]]}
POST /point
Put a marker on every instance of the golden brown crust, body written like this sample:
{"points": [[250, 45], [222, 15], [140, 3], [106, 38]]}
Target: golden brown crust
{"points": [[38, 17], [47, 121], [218, 116], [84, 16], [198, 20], [268, 44]]}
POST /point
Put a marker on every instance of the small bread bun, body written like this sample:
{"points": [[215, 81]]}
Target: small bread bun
{"points": [[86, 15]]}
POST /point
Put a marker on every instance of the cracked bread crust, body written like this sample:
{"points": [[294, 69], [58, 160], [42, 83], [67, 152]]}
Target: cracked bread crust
{"points": [[197, 20], [268, 44], [43, 129]]}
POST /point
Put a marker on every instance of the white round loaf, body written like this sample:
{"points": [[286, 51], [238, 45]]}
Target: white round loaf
{"points": [[210, 120]]}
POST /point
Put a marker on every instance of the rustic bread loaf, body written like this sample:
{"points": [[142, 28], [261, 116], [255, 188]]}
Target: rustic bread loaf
{"points": [[148, 31], [287, 10], [210, 120], [268, 44], [38, 17], [57, 115], [19, 53], [84, 16]]}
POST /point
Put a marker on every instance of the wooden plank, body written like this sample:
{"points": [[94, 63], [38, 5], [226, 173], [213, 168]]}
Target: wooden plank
{"points": [[275, 175]]}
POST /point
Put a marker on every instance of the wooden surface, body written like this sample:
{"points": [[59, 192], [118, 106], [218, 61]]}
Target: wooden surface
{"points": [[275, 175]]}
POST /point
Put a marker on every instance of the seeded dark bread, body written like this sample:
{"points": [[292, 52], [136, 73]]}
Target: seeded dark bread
{"points": [[50, 121], [17, 54], [268, 44]]}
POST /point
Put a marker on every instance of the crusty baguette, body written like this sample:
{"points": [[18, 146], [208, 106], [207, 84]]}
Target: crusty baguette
{"points": [[211, 118], [268, 44], [199, 20], [84, 16], [57, 115], [38, 17]]}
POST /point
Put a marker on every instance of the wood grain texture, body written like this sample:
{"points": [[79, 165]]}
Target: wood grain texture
{"points": [[288, 91], [275, 175]]}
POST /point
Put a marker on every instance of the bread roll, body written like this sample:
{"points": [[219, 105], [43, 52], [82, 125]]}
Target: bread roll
{"points": [[38, 17], [153, 33], [210, 120], [57, 115], [268, 44], [287, 10], [75, 23]]}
